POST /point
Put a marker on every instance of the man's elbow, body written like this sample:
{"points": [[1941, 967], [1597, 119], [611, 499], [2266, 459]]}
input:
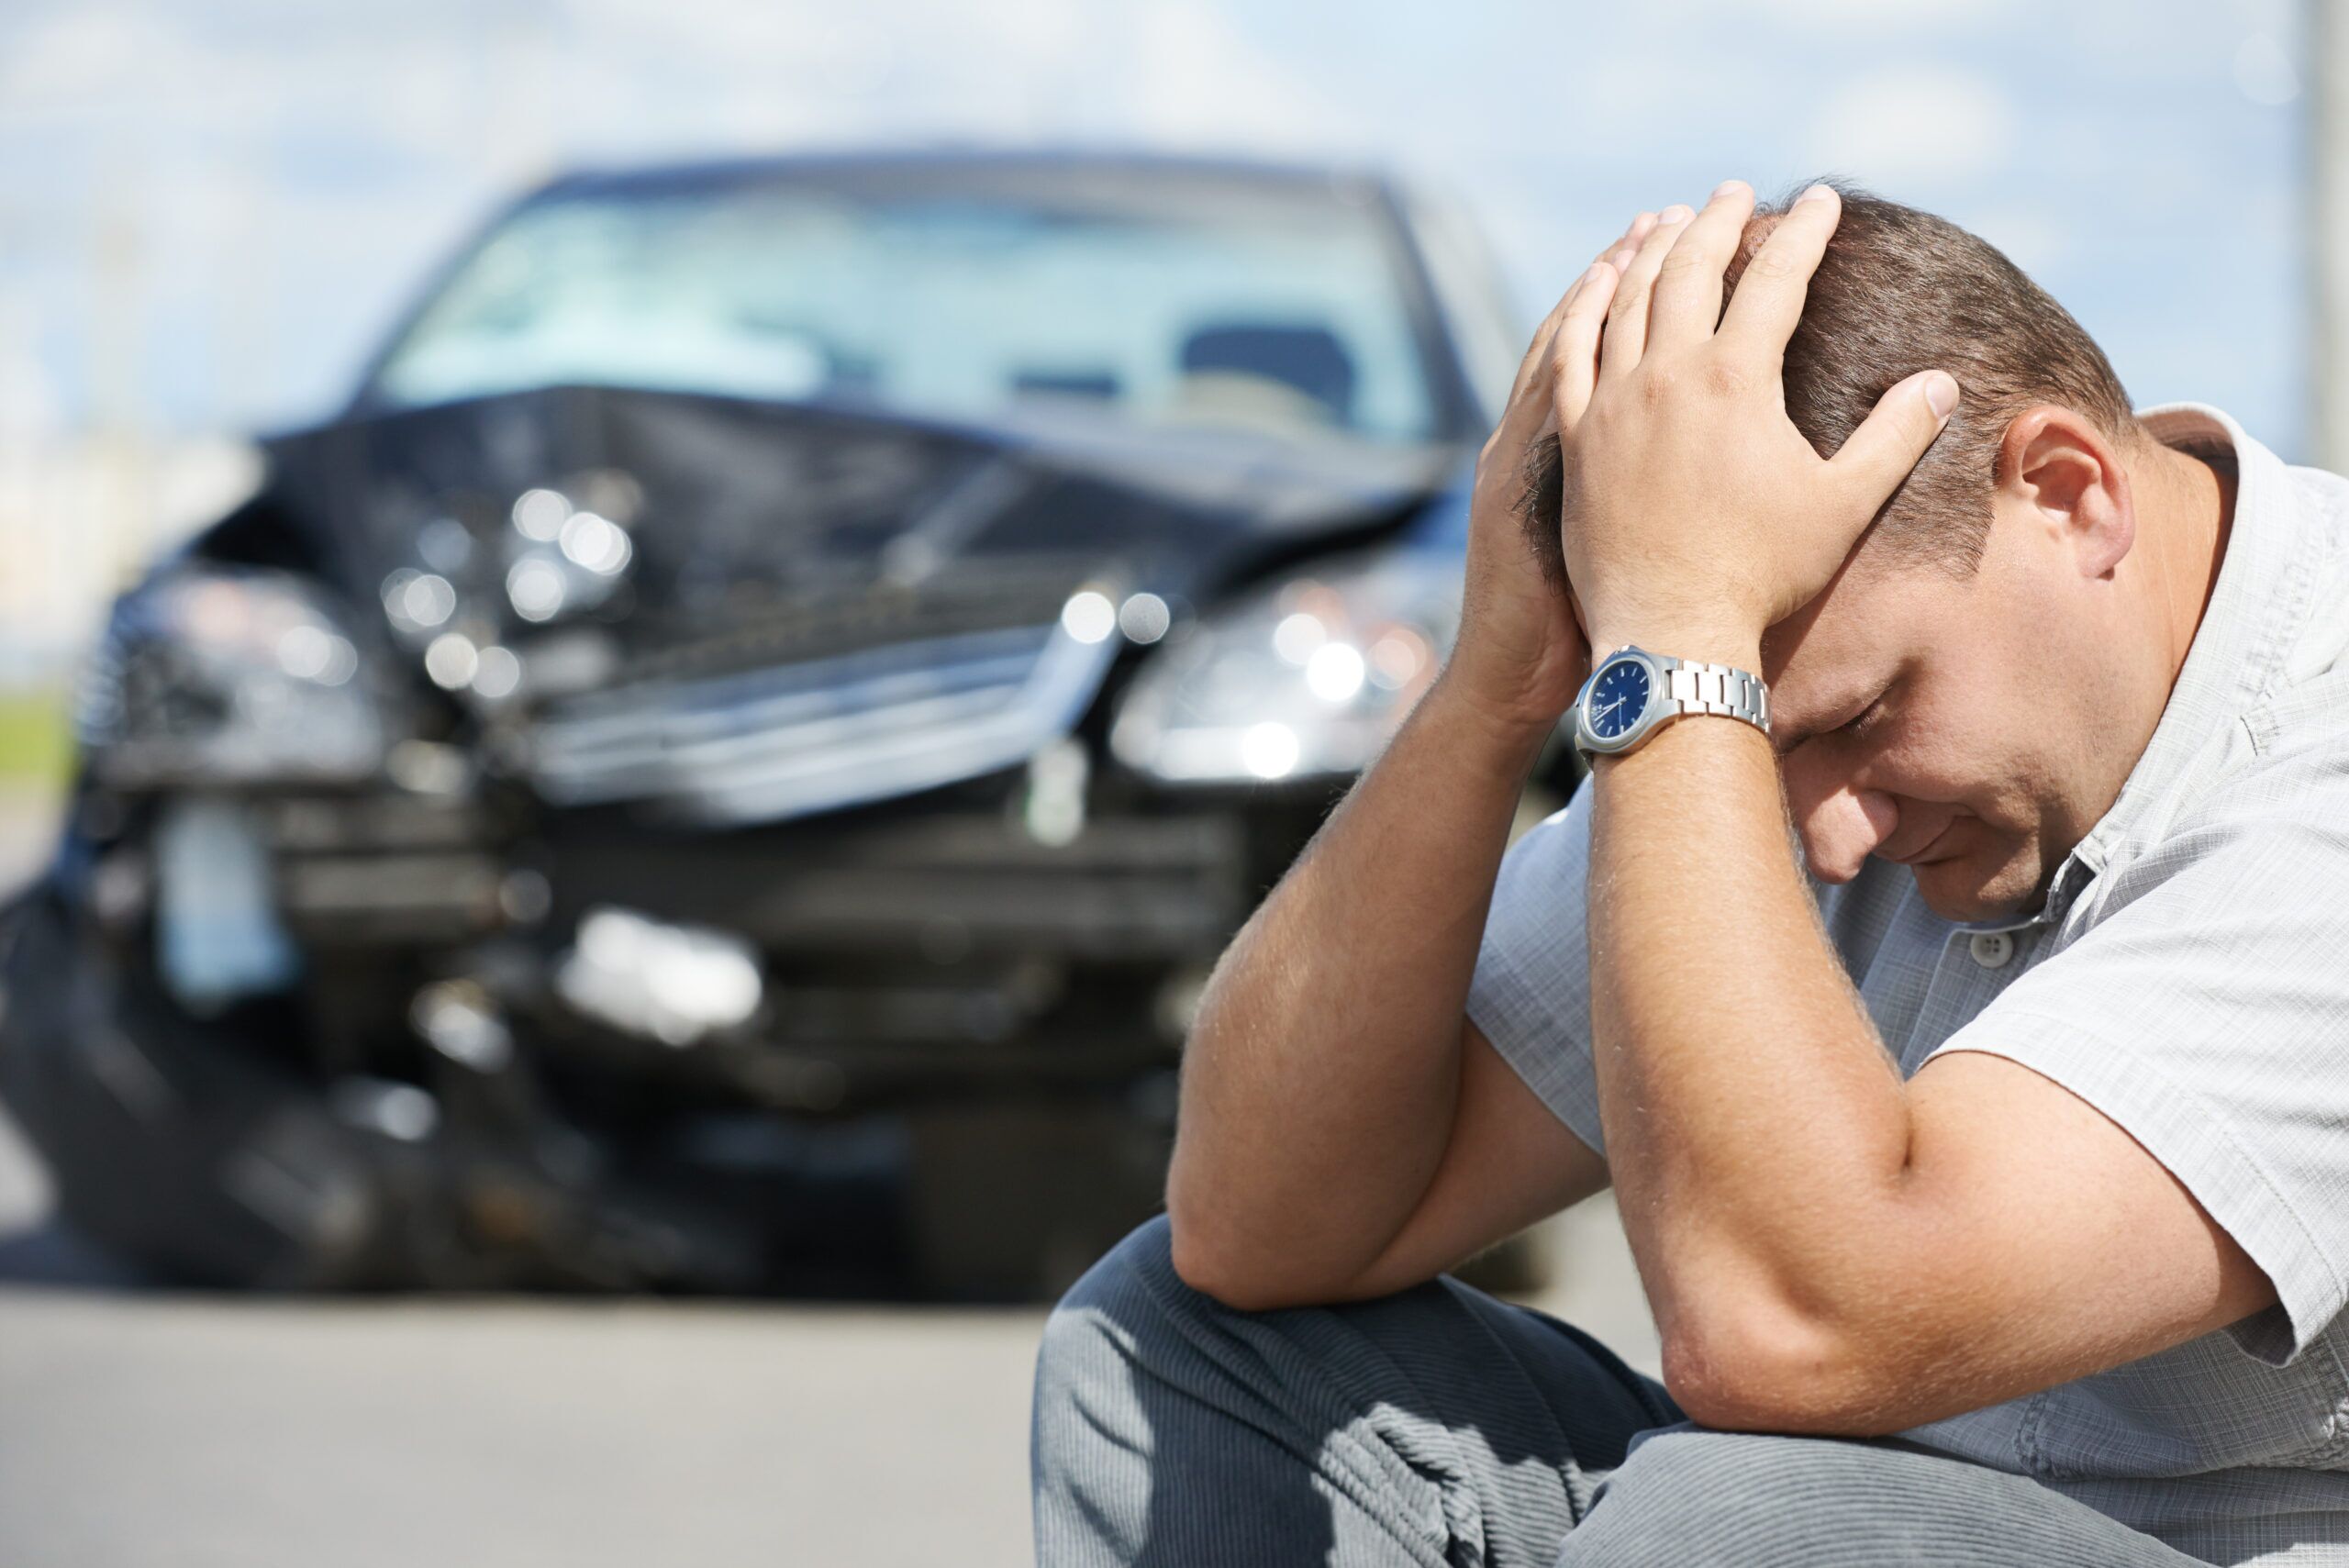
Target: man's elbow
{"points": [[1773, 1369]]}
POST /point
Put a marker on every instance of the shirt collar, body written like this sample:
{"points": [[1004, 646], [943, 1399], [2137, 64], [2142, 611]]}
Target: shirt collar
{"points": [[2256, 610]]}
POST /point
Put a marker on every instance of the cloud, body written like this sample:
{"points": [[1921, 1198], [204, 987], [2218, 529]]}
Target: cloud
{"points": [[70, 59], [1848, 19], [1192, 78], [1914, 125]]}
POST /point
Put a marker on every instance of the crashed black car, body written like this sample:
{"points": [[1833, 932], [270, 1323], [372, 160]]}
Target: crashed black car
{"points": [[727, 766]]}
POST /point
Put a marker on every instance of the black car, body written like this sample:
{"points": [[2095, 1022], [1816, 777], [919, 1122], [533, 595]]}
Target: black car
{"points": [[727, 766]]}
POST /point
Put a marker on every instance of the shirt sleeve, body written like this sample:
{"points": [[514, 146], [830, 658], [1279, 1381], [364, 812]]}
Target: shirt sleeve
{"points": [[1531, 994], [2206, 1012]]}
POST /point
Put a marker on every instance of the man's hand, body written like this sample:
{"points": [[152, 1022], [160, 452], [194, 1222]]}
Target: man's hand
{"points": [[1521, 655], [1696, 514]]}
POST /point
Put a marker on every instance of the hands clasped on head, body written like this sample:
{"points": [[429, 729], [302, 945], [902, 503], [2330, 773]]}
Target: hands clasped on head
{"points": [[1687, 512]]}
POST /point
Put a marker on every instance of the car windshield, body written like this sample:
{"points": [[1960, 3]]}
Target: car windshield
{"points": [[1287, 316]]}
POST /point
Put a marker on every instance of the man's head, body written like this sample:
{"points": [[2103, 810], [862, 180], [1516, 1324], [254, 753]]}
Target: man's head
{"points": [[1970, 693]]}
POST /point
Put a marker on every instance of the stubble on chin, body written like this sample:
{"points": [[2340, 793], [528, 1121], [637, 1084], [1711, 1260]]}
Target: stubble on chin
{"points": [[1964, 889]]}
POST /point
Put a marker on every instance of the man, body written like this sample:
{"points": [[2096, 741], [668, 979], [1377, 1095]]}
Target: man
{"points": [[1991, 1185]]}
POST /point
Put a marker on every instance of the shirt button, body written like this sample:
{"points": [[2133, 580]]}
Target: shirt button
{"points": [[1992, 949]]}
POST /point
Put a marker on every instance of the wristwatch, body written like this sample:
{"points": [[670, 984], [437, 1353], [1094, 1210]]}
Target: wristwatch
{"points": [[1632, 694]]}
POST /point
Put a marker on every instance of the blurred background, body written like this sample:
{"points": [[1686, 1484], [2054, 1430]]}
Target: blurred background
{"points": [[1048, 416]]}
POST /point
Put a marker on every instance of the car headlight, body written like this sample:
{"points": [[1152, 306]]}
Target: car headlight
{"points": [[1310, 678], [219, 676]]}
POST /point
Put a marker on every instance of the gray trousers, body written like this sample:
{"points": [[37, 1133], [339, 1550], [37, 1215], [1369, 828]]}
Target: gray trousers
{"points": [[1440, 1426]]}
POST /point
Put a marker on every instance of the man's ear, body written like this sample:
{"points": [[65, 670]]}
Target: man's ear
{"points": [[2056, 466]]}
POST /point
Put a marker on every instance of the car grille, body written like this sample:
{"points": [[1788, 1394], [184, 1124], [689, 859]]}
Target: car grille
{"points": [[791, 739]]}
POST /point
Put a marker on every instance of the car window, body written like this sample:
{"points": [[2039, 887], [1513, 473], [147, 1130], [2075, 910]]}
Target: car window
{"points": [[1289, 321]]}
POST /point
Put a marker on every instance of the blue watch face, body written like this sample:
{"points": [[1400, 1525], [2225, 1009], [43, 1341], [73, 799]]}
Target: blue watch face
{"points": [[1618, 698]]}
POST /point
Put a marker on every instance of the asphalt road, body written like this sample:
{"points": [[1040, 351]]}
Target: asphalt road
{"points": [[142, 1429]]}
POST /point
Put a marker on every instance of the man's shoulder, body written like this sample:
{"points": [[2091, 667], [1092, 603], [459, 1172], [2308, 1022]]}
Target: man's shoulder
{"points": [[2302, 703], [2321, 491], [2270, 825]]}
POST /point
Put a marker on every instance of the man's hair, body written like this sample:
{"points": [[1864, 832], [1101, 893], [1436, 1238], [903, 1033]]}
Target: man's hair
{"points": [[1897, 292]]}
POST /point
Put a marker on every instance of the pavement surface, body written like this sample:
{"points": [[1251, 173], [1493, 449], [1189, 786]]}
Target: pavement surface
{"points": [[146, 1430]]}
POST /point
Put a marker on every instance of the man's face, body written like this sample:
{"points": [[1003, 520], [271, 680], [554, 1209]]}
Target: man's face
{"points": [[1959, 726]]}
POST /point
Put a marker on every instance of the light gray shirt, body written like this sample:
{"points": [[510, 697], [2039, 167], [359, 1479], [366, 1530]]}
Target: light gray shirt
{"points": [[2189, 977]]}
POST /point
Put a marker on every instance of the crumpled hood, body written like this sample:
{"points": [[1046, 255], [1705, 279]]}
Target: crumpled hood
{"points": [[747, 509], [818, 607]]}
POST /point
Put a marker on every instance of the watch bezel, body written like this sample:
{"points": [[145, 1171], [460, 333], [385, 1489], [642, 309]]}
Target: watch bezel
{"points": [[1587, 739]]}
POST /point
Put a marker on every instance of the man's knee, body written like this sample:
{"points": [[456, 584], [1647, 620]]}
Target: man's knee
{"points": [[1132, 1282], [1124, 1339], [1124, 1309], [1143, 1264]]}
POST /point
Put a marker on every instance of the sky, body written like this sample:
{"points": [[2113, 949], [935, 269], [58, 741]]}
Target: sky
{"points": [[210, 209]]}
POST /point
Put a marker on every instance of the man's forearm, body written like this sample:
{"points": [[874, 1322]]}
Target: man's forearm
{"points": [[1318, 1086], [1326, 1068], [1756, 1127], [1756, 1130]]}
